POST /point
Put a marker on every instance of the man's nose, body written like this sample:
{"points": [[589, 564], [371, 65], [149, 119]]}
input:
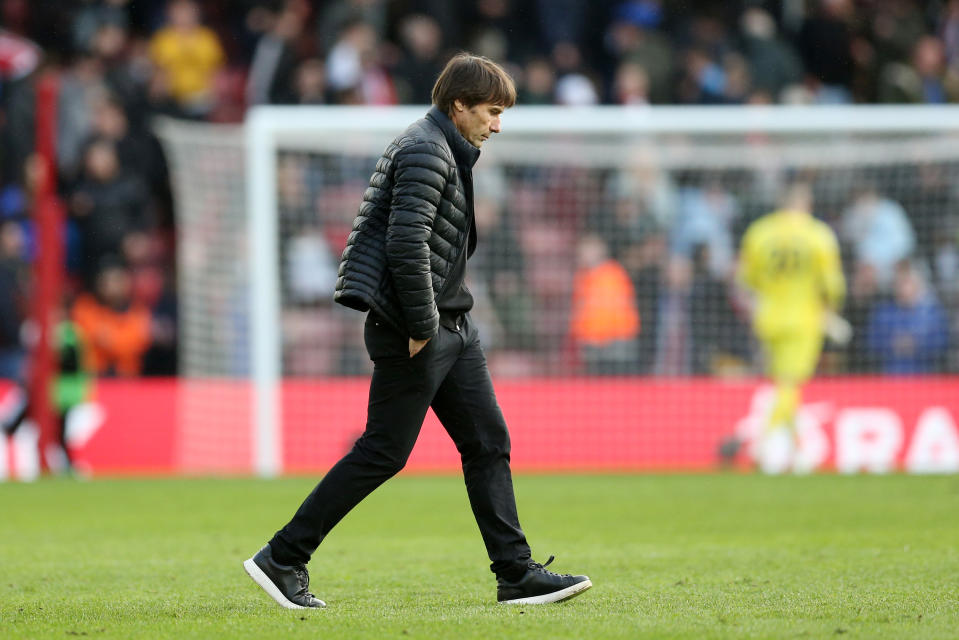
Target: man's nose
{"points": [[494, 126]]}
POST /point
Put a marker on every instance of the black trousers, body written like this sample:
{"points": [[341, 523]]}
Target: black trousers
{"points": [[450, 375]]}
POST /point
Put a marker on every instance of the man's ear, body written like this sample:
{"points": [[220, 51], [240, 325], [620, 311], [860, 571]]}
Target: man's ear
{"points": [[458, 105]]}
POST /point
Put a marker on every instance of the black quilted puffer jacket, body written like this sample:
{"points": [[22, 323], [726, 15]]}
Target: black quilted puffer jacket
{"points": [[411, 227]]}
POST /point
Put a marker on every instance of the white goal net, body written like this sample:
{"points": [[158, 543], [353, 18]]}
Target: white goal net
{"points": [[604, 279]]}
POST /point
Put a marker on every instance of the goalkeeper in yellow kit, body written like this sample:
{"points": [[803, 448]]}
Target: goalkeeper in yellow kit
{"points": [[790, 262]]}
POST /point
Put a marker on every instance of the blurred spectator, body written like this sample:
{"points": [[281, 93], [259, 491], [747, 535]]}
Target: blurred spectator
{"points": [[310, 267], [499, 263], [14, 270], [271, 76], [672, 348], [421, 61], [738, 87], [714, 73], [81, 88], [945, 263], [862, 299], [125, 68], [161, 357], [648, 186], [187, 56], [644, 262], [926, 79], [502, 29], [825, 43], [18, 56], [632, 37], [309, 82], [71, 388], [335, 16], [576, 90], [933, 206], [116, 329], [109, 205], [773, 63], [560, 21], [640, 197], [705, 215], [879, 232], [353, 68], [92, 15], [539, 82], [949, 32], [704, 80], [604, 320], [136, 150], [909, 334], [631, 84], [576, 86], [897, 25], [719, 338], [626, 224]]}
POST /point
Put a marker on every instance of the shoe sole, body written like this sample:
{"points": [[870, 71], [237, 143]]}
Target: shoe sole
{"points": [[556, 596], [263, 580]]}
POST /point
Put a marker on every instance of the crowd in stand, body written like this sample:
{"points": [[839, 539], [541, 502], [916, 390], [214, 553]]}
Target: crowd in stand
{"points": [[120, 62]]}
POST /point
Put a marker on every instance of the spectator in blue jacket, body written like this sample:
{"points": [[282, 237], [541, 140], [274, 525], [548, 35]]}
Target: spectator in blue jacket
{"points": [[909, 333]]}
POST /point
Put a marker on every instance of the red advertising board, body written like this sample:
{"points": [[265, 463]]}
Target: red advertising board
{"points": [[631, 424]]}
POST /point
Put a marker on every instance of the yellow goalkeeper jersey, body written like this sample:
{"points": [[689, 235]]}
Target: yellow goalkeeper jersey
{"points": [[791, 262]]}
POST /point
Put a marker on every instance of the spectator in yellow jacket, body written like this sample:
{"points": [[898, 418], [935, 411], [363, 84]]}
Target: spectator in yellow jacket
{"points": [[187, 56]]}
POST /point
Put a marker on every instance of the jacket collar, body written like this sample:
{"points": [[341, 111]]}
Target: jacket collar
{"points": [[464, 153]]}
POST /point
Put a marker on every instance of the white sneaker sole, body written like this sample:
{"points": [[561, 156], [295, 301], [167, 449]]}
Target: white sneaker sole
{"points": [[267, 585], [556, 596]]}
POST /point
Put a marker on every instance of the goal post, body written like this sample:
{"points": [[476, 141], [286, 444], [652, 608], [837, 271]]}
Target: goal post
{"points": [[287, 183], [261, 146]]}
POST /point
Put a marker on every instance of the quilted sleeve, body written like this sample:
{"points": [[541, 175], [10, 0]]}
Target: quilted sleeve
{"points": [[421, 172]]}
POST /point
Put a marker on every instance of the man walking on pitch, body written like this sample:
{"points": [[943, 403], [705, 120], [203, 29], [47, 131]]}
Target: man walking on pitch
{"points": [[790, 261], [405, 263]]}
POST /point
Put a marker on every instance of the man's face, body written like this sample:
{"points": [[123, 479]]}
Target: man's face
{"points": [[477, 123]]}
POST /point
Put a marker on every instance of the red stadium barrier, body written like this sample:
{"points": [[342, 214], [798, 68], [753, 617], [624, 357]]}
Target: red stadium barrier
{"points": [[847, 424]]}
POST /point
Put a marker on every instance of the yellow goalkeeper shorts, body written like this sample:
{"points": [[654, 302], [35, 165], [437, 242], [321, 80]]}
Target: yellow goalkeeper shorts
{"points": [[793, 357]]}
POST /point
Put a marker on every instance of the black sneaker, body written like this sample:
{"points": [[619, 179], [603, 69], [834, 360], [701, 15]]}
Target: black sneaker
{"points": [[728, 449], [287, 584], [539, 586]]}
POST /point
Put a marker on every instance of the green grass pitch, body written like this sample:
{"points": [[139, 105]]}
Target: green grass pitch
{"points": [[671, 556]]}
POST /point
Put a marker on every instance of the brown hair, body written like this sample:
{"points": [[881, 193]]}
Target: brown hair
{"points": [[473, 80]]}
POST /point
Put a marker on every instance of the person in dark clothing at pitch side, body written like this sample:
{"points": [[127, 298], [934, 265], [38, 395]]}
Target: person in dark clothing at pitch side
{"points": [[405, 263]]}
